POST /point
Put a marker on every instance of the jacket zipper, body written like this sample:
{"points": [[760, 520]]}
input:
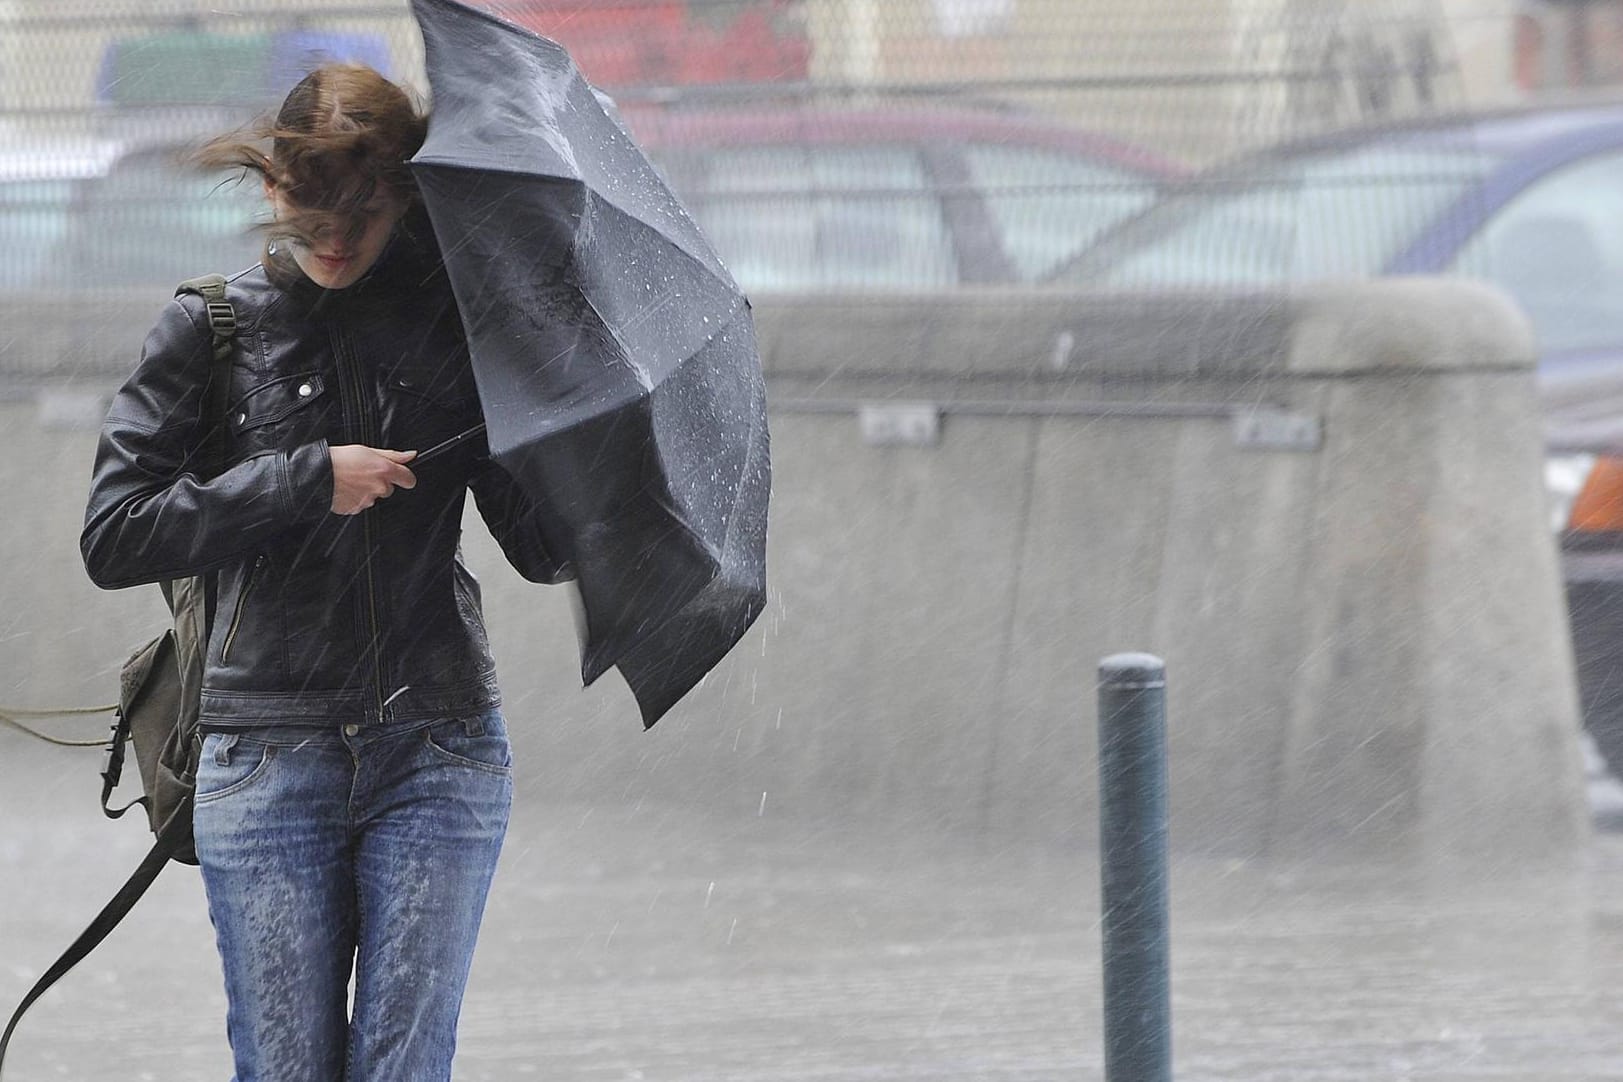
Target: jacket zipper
{"points": [[242, 604], [352, 377]]}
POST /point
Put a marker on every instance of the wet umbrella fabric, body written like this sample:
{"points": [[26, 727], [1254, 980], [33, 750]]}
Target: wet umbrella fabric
{"points": [[615, 356]]}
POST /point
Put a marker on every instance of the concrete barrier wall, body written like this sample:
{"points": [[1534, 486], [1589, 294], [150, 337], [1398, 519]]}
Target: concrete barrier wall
{"points": [[1365, 634]]}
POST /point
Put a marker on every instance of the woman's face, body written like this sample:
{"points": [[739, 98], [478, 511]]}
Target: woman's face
{"points": [[344, 247]]}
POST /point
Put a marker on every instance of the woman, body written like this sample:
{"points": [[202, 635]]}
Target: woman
{"points": [[354, 782]]}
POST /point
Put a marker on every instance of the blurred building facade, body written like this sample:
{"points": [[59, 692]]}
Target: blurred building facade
{"points": [[1566, 44], [1195, 78], [1191, 78]]}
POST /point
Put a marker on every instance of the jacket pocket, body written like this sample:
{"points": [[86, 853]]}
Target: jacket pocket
{"points": [[433, 393], [424, 405], [276, 400], [241, 607]]}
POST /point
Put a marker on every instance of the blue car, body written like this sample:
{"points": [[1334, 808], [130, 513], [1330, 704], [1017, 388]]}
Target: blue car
{"points": [[1530, 200]]}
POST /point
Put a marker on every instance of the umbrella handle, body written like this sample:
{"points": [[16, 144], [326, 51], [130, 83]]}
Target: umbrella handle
{"points": [[445, 445]]}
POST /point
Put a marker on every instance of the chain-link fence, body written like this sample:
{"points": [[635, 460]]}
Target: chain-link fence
{"points": [[823, 144], [1192, 79]]}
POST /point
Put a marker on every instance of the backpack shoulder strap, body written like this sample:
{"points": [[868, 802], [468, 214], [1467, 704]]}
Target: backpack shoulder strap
{"points": [[222, 316], [216, 397], [223, 326]]}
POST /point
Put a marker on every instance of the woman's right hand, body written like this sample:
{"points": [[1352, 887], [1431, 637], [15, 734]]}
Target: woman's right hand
{"points": [[361, 476]]}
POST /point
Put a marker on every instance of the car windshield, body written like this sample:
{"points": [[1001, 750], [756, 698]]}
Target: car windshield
{"points": [[1556, 246], [790, 218], [1048, 206], [1342, 213], [926, 213]]}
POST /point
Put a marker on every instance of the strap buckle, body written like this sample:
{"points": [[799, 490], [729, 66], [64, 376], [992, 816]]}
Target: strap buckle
{"points": [[222, 318]]}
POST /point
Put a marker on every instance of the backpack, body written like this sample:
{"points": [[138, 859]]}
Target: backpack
{"points": [[160, 694]]}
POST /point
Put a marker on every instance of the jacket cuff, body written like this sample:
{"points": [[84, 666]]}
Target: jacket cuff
{"points": [[307, 482]]}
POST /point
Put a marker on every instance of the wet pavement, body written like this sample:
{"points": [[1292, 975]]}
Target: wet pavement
{"points": [[643, 943]]}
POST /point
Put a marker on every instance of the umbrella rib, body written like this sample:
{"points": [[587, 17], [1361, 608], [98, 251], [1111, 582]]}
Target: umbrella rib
{"points": [[686, 215], [722, 325], [723, 322], [647, 311]]}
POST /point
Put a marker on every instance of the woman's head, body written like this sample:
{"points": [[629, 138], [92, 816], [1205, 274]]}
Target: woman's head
{"points": [[336, 174]]}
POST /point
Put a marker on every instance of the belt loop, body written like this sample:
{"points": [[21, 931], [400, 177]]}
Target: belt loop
{"points": [[222, 750], [473, 725]]}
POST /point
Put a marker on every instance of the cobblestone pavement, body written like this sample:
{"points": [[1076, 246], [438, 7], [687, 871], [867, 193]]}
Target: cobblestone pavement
{"points": [[655, 944]]}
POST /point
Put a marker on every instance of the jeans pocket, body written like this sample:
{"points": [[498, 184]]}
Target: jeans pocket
{"points": [[480, 743], [228, 764]]}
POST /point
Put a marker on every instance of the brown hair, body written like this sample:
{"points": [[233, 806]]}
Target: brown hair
{"points": [[342, 133]]}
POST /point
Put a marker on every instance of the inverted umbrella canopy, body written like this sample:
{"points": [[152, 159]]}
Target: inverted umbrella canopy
{"points": [[615, 355]]}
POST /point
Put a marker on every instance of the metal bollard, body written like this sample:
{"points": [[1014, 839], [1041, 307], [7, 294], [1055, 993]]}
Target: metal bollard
{"points": [[1133, 856]]}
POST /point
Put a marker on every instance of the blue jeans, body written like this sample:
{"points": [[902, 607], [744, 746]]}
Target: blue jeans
{"points": [[327, 851]]}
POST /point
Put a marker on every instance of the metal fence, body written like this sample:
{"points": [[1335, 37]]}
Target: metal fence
{"points": [[1190, 78], [823, 144]]}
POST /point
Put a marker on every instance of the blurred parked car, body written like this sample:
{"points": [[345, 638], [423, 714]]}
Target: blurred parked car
{"points": [[1531, 201], [37, 186], [97, 232], [799, 199], [188, 67], [107, 214], [795, 199]]}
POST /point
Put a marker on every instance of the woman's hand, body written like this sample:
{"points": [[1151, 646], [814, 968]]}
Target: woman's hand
{"points": [[361, 476]]}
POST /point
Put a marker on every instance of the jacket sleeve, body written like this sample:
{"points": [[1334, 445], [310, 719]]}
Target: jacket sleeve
{"points": [[518, 524], [153, 512]]}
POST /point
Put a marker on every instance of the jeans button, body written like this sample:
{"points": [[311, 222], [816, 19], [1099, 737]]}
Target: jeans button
{"points": [[352, 730]]}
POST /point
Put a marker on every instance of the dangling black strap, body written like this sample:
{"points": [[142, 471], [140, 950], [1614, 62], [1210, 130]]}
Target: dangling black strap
{"points": [[173, 835], [178, 830]]}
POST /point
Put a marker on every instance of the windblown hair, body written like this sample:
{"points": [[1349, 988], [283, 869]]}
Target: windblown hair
{"points": [[342, 134]]}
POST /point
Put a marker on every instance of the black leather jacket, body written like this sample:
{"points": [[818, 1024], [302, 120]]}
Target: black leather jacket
{"points": [[319, 617]]}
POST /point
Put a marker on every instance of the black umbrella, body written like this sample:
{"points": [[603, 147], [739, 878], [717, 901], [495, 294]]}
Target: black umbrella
{"points": [[615, 355]]}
